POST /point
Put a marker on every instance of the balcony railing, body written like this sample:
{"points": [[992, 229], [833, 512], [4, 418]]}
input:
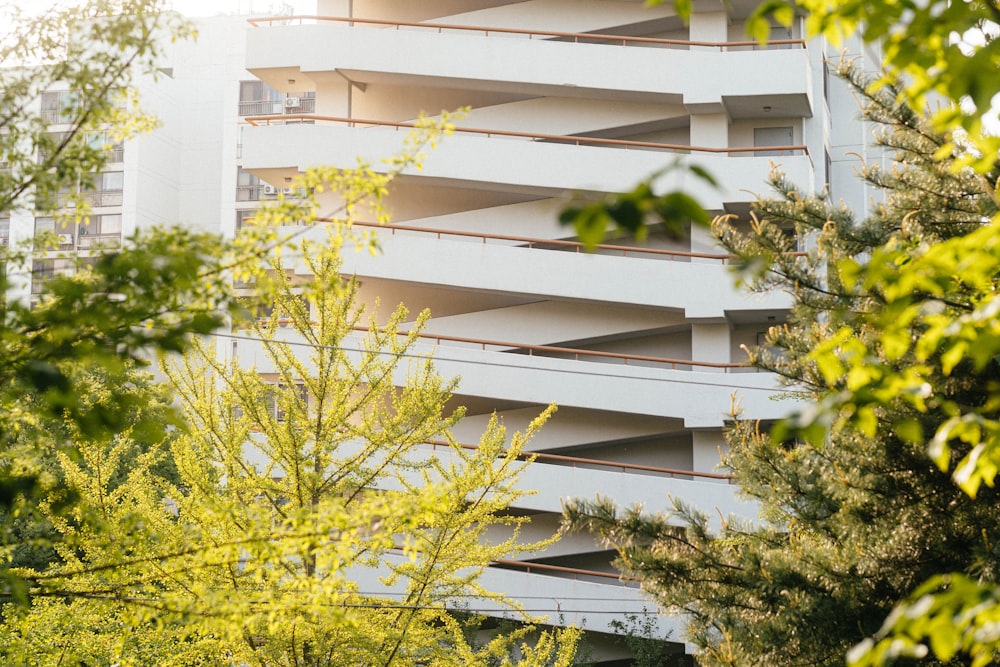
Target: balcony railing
{"points": [[550, 244], [89, 241], [305, 105], [548, 138], [249, 192], [57, 116], [576, 37], [103, 198], [574, 353], [561, 459], [260, 107]]}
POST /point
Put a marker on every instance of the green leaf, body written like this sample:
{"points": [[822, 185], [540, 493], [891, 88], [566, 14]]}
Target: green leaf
{"points": [[909, 430], [703, 174], [677, 208]]}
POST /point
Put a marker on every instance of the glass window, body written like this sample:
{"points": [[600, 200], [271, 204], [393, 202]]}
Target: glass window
{"points": [[242, 215], [112, 181], [248, 186], [57, 105], [271, 402], [45, 225], [257, 98], [43, 269], [110, 224]]}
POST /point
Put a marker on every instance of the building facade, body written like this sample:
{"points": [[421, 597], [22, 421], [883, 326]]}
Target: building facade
{"points": [[640, 346]]}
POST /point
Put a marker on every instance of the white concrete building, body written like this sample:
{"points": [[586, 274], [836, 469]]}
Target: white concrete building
{"points": [[640, 347]]}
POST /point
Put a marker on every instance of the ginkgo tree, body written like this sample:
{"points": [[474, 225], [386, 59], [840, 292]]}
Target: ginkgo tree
{"points": [[162, 544], [320, 512]]}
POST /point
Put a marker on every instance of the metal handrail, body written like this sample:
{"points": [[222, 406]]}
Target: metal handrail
{"points": [[562, 138], [533, 241], [542, 456], [576, 352], [545, 567], [624, 40], [528, 566]]}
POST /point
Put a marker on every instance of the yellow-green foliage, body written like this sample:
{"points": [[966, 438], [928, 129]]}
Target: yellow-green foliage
{"points": [[287, 482]]}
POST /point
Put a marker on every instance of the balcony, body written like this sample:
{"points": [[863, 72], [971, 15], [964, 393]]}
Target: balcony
{"points": [[532, 164], [534, 63], [700, 399]]}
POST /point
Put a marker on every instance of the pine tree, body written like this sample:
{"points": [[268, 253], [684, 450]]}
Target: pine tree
{"points": [[854, 513]]}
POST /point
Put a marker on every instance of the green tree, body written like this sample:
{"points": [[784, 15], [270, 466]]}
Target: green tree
{"points": [[72, 66], [855, 515], [936, 325], [930, 50], [293, 479], [124, 304], [217, 561]]}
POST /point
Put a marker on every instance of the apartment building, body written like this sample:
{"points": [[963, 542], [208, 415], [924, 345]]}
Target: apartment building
{"points": [[640, 346]]}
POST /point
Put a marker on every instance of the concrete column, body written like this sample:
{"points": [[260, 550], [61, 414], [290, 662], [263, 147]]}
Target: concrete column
{"points": [[333, 98], [710, 342], [707, 448], [703, 241], [709, 27], [21, 228], [710, 129], [334, 7]]}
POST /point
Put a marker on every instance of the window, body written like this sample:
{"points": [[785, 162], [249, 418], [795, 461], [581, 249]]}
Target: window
{"points": [[100, 230], [778, 33], [259, 99], [107, 188], [45, 225], [4, 230], [248, 186], [277, 400], [95, 231], [53, 141], [115, 150], [58, 106], [43, 269], [271, 403], [64, 233], [264, 311], [243, 215]]}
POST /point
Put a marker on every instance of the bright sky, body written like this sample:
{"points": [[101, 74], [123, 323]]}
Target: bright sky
{"points": [[214, 7], [191, 7]]}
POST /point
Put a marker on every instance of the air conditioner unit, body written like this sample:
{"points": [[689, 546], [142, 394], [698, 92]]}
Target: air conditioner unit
{"points": [[292, 103], [287, 191], [65, 239], [270, 190]]}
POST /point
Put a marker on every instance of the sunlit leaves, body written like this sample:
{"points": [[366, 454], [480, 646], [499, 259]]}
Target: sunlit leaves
{"points": [[947, 616], [633, 213], [78, 61], [936, 48]]}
